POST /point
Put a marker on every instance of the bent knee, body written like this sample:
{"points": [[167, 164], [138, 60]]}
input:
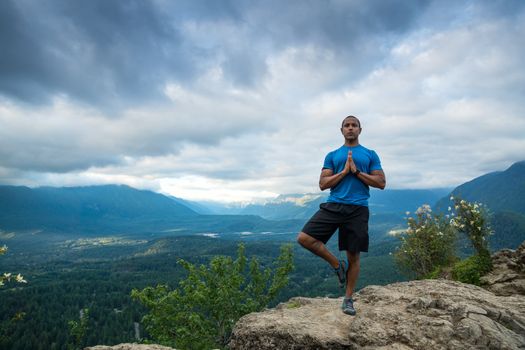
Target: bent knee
{"points": [[304, 239]]}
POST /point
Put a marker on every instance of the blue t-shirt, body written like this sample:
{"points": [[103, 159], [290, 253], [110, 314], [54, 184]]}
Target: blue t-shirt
{"points": [[351, 190]]}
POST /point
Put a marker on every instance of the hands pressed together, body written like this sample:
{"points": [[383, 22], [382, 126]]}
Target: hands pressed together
{"points": [[349, 165]]}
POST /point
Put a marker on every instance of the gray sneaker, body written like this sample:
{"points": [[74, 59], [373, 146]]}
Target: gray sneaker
{"points": [[340, 272], [348, 306]]}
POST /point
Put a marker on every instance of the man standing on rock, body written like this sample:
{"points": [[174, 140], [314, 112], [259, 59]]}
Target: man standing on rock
{"points": [[348, 172]]}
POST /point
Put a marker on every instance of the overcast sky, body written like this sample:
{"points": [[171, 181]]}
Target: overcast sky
{"points": [[239, 100]]}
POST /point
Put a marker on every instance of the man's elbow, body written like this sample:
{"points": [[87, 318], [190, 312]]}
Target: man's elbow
{"points": [[379, 183], [323, 185]]}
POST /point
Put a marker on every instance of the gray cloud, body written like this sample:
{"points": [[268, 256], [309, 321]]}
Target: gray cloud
{"points": [[66, 137], [354, 31], [113, 53], [100, 52]]}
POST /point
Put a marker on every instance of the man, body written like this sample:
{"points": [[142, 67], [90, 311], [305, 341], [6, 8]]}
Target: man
{"points": [[348, 172]]}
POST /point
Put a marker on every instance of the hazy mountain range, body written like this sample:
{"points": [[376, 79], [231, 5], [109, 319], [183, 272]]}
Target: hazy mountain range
{"points": [[122, 209]]}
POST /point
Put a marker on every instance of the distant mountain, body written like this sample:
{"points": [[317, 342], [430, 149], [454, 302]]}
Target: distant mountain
{"points": [[289, 206], [500, 190], [195, 206], [91, 207], [303, 206], [401, 201], [509, 230]]}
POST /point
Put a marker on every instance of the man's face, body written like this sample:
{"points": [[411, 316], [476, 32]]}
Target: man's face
{"points": [[350, 128]]}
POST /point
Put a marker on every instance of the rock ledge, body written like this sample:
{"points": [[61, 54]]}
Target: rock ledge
{"points": [[427, 314]]}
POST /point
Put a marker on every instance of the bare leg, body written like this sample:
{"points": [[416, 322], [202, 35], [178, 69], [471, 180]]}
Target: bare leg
{"points": [[353, 272], [318, 248]]}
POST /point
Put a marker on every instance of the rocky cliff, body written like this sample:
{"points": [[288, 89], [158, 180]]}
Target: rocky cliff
{"points": [[427, 314]]}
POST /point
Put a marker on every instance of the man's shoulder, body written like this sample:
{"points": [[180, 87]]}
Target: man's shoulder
{"points": [[365, 149]]}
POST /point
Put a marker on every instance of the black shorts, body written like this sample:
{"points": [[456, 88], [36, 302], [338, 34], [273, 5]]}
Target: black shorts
{"points": [[351, 220]]}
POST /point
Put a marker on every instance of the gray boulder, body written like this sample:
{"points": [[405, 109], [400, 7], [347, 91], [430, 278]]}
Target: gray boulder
{"points": [[508, 274]]}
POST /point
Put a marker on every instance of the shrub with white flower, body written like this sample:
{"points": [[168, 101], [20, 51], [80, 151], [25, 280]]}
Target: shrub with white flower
{"points": [[427, 245], [6, 277], [472, 219]]}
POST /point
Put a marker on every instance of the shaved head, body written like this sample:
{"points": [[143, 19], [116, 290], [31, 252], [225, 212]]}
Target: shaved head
{"points": [[351, 116]]}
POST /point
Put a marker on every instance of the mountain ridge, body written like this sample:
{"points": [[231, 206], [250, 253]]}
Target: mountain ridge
{"points": [[499, 190], [70, 207]]}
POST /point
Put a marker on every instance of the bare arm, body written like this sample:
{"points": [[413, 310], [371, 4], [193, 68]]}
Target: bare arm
{"points": [[375, 179], [328, 179]]}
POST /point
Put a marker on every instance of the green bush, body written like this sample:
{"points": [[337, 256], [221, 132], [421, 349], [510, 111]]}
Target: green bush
{"points": [[471, 269]]}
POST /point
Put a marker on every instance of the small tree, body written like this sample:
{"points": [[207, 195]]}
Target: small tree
{"points": [[78, 329], [427, 245], [202, 311], [471, 219]]}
